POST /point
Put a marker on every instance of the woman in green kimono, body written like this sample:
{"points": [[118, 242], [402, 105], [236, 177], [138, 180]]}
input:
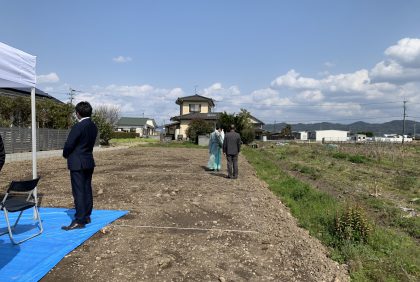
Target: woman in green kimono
{"points": [[215, 150]]}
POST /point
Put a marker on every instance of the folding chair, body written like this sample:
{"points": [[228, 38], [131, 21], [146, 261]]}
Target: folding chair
{"points": [[20, 197]]}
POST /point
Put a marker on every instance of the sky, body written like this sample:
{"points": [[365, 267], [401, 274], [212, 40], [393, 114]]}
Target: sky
{"points": [[293, 61]]}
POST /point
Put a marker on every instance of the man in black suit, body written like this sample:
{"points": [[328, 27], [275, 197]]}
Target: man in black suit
{"points": [[231, 149], [78, 152], [2, 154]]}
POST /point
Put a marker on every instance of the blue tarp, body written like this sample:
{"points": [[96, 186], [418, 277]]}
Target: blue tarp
{"points": [[32, 259]]}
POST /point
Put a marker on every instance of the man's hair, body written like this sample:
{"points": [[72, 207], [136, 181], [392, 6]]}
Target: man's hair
{"points": [[84, 109]]}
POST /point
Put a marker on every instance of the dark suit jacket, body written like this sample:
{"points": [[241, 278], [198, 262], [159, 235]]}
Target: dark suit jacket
{"points": [[2, 153], [232, 143], [79, 145]]}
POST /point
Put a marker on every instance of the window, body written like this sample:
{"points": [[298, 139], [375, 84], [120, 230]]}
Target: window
{"points": [[195, 108]]}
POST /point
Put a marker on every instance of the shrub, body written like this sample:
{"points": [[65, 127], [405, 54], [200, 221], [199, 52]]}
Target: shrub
{"points": [[313, 173], [357, 159], [352, 226], [198, 127], [123, 135], [248, 135], [340, 155], [105, 129]]}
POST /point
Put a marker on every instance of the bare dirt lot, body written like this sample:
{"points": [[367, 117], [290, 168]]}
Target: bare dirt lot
{"points": [[184, 223]]}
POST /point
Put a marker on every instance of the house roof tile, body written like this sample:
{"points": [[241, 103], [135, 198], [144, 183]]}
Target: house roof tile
{"points": [[191, 116], [195, 98], [133, 121]]}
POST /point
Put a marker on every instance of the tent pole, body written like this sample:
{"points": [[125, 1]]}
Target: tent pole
{"points": [[34, 167]]}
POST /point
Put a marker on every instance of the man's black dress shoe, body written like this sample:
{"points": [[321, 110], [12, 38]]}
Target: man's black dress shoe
{"points": [[88, 220], [73, 225]]}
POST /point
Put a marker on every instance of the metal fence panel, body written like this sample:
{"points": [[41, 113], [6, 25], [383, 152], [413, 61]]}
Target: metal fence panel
{"points": [[18, 139]]}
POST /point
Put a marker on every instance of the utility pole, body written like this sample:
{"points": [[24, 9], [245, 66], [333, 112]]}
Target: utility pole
{"points": [[404, 115], [72, 94]]}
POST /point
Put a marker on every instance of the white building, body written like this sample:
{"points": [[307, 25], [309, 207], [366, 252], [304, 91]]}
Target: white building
{"points": [[329, 135], [142, 126], [301, 135], [393, 138]]}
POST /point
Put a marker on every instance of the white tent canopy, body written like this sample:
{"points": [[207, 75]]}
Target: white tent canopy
{"points": [[17, 69]]}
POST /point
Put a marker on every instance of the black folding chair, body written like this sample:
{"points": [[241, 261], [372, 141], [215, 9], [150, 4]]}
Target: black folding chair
{"points": [[20, 197]]}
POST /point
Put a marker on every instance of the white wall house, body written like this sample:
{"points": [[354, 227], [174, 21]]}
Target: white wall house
{"points": [[142, 126], [329, 135]]}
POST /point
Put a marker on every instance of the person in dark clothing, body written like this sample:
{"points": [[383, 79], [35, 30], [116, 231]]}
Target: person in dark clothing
{"points": [[231, 149], [2, 153], [78, 152]]}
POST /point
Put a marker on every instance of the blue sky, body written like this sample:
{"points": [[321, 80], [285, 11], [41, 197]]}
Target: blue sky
{"points": [[284, 61]]}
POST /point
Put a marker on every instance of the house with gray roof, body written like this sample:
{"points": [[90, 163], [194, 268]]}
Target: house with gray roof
{"points": [[191, 108], [26, 93], [198, 107], [142, 126]]}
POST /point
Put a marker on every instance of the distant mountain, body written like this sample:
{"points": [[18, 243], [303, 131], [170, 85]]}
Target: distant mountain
{"points": [[378, 129]]}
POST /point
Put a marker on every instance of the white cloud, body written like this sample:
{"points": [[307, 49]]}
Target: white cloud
{"points": [[48, 78], [359, 95], [217, 92], [406, 52], [350, 82], [122, 59], [402, 64], [393, 72], [292, 79], [329, 64], [311, 96]]}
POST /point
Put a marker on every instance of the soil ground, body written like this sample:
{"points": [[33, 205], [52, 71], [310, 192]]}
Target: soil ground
{"points": [[184, 223]]}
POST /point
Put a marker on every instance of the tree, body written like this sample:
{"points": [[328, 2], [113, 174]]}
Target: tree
{"points": [[225, 120], [367, 133], [106, 118], [286, 132], [16, 111], [198, 127], [105, 129], [242, 122], [248, 135], [109, 113]]}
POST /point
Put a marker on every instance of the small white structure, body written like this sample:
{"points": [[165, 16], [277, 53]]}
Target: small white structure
{"points": [[329, 135], [360, 137], [301, 135]]}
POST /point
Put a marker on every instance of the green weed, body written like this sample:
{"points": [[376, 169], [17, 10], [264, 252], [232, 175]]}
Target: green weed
{"points": [[372, 253]]}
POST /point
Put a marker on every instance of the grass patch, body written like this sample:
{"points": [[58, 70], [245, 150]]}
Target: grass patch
{"points": [[357, 159], [386, 255], [313, 173], [131, 141]]}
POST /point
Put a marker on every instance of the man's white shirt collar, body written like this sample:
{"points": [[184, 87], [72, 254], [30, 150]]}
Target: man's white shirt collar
{"points": [[83, 118]]}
